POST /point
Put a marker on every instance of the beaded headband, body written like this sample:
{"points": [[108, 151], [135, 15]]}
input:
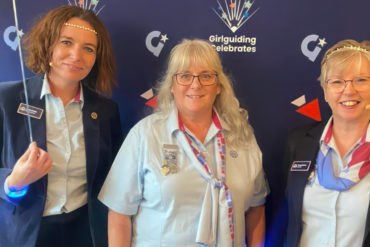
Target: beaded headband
{"points": [[350, 47], [82, 27]]}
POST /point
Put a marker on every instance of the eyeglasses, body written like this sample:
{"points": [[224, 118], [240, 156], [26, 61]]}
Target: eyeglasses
{"points": [[186, 79], [358, 83]]}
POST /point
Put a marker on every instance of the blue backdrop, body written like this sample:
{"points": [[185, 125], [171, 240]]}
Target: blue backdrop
{"points": [[271, 49]]}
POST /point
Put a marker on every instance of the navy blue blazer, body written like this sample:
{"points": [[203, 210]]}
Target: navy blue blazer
{"points": [[303, 145], [20, 221]]}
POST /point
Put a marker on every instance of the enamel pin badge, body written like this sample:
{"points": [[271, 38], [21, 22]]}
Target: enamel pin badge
{"points": [[169, 159]]}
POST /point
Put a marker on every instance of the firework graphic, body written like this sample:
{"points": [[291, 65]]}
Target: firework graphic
{"points": [[86, 4], [234, 13]]}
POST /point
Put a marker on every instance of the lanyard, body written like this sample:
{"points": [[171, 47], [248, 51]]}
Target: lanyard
{"points": [[220, 141]]}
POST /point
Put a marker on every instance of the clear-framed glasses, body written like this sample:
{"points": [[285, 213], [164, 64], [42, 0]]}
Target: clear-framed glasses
{"points": [[205, 79], [359, 84]]}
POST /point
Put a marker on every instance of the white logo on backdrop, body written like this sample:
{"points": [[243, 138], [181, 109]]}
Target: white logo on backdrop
{"points": [[11, 38], [312, 54], [155, 42], [235, 13]]}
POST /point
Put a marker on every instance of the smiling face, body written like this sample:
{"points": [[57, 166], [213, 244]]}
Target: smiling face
{"points": [[350, 104], [195, 100], [74, 53]]}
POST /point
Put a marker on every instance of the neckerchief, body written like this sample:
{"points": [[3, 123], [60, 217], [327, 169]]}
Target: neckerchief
{"points": [[207, 236], [356, 169]]}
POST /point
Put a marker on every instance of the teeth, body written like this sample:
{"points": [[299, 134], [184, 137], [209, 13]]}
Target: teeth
{"points": [[194, 96], [349, 103]]}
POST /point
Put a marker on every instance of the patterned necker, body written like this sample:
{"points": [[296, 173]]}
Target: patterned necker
{"points": [[356, 169], [220, 140]]}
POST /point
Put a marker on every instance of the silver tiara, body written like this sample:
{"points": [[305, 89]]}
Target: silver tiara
{"points": [[88, 5], [349, 47]]}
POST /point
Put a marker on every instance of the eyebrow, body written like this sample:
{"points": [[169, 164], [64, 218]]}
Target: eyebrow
{"points": [[70, 38]]}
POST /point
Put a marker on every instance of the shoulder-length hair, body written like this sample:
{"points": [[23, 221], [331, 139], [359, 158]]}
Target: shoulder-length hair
{"points": [[40, 41], [201, 52], [340, 55]]}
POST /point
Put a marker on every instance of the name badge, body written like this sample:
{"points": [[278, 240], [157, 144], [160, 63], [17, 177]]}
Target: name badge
{"points": [[169, 159], [300, 166], [34, 112]]}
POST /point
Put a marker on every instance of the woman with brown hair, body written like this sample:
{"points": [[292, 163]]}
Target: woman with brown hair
{"points": [[48, 194]]}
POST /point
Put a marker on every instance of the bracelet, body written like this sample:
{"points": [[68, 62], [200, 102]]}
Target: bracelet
{"points": [[13, 192]]}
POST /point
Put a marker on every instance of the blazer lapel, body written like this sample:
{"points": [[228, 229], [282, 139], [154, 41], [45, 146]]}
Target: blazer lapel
{"points": [[305, 150], [38, 126], [91, 134]]}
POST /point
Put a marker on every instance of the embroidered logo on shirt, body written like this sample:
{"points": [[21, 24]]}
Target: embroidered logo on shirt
{"points": [[300, 166], [34, 112], [233, 154]]}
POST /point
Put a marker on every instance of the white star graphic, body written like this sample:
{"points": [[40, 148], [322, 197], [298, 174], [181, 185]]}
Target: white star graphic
{"points": [[20, 33], [322, 42], [164, 38]]}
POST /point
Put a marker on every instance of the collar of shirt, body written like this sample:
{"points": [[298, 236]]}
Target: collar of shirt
{"points": [[45, 90], [326, 139], [173, 125]]}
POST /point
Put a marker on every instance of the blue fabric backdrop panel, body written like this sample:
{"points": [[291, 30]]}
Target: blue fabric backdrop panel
{"points": [[271, 49]]}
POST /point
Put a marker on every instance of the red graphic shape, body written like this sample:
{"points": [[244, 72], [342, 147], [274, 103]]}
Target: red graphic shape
{"points": [[152, 102], [311, 110]]}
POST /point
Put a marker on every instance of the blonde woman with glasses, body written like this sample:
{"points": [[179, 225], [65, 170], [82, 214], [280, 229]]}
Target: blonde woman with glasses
{"points": [[328, 185]]}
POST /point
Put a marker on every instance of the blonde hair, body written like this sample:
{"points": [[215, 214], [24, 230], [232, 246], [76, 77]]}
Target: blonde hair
{"points": [[201, 52], [341, 55]]}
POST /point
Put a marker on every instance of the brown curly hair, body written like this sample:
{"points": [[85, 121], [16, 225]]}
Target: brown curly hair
{"points": [[39, 43]]}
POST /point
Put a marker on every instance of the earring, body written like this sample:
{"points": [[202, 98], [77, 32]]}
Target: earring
{"points": [[50, 64]]}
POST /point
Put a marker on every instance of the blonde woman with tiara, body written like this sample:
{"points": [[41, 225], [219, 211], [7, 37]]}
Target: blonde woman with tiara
{"points": [[191, 173], [328, 185]]}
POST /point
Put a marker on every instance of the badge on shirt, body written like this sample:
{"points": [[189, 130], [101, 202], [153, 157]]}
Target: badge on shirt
{"points": [[300, 166], [233, 154], [34, 112], [311, 178], [169, 159]]}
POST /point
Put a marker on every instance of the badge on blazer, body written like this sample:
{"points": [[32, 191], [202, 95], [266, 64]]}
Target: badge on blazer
{"points": [[169, 159], [311, 178], [94, 115], [34, 112], [300, 166]]}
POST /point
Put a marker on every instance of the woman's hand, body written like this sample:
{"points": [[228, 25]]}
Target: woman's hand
{"points": [[30, 167]]}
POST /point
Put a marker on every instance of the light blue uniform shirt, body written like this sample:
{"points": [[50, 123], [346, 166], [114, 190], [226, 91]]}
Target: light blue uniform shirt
{"points": [[335, 218], [167, 208], [67, 183]]}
